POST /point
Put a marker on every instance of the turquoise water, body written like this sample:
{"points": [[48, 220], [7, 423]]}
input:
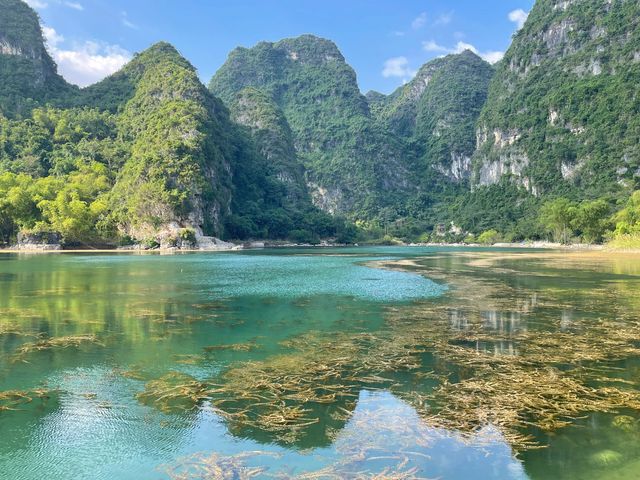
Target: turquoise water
{"points": [[142, 316]]}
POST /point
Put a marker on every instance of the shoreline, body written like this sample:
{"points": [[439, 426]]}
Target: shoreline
{"points": [[278, 245]]}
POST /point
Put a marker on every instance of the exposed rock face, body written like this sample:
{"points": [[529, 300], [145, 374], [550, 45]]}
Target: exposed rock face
{"points": [[491, 172], [35, 242], [459, 170], [28, 75], [560, 112], [437, 112], [329, 200]]}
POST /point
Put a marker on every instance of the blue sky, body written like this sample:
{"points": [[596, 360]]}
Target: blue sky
{"points": [[385, 41]]}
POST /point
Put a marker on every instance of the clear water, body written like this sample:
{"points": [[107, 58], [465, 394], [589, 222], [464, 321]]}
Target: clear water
{"points": [[153, 314]]}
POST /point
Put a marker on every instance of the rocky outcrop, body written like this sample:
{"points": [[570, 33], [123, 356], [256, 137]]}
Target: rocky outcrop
{"points": [[437, 111], [39, 242], [562, 101], [458, 170], [28, 75], [328, 199], [492, 171]]}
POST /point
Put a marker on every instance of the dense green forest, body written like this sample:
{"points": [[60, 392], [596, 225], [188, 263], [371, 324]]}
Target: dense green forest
{"points": [[283, 145], [353, 165]]}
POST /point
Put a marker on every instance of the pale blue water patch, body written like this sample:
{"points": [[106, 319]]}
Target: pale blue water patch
{"points": [[287, 276]]}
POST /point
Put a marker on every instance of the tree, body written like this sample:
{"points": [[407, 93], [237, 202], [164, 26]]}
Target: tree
{"points": [[591, 219], [557, 216], [628, 219], [489, 237]]}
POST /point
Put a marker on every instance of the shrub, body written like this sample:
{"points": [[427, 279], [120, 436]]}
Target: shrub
{"points": [[489, 237]]}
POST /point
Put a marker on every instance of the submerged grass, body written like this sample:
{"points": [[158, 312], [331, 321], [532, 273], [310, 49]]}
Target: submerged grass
{"points": [[19, 399], [214, 466], [489, 371], [50, 343]]}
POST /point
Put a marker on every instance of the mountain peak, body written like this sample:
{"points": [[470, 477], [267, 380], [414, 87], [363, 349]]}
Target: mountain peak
{"points": [[310, 48], [160, 51], [28, 75], [20, 32]]}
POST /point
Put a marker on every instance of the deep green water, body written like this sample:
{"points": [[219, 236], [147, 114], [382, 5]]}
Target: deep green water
{"points": [[152, 314]]}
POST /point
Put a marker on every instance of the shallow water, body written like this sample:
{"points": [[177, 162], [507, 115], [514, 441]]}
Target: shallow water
{"points": [[205, 315]]}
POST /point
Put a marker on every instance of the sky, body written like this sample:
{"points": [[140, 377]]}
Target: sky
{"points": [[385, 41]]}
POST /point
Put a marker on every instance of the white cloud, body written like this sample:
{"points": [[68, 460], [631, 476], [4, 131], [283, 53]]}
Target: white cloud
{"points": [[432, 46], [398, 33], [87, 62], [489, 56], [37, 3], [518, 17], [126, 22], [398, 67], [40, 4], [492, 56], [462, 46], [444, 19], [419, 21], [51, 37], [74, 5]]}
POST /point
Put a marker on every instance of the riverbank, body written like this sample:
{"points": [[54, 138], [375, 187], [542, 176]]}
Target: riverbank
{"points": [[223, 246]]}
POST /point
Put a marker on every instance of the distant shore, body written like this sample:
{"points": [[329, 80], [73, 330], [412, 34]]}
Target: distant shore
{"points": [[275, 244]]}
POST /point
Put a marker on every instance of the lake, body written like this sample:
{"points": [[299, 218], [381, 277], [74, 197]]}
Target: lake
{"points": [[371, 362]]}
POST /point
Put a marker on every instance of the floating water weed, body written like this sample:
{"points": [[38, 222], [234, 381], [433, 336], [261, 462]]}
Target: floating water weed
{"points": [[481, 373], [235, 347], [214, 466], [217, 467], [50, 343], [173, 391], [18, 399]]}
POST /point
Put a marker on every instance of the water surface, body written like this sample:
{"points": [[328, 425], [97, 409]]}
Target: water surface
{"points": [[90, 332]]}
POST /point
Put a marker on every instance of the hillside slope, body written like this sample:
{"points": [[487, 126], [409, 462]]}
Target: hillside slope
{"points": [[28, 75], [437, 111], [563, 113], [353, 165]]}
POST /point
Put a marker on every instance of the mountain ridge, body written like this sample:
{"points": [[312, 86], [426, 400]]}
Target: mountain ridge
{"points": [[283, 144]]}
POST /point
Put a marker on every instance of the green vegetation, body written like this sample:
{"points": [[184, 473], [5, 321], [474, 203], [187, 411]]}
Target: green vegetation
{"points": [[438, 109], [489, 237], [592, 221], [354, 166], [28, 75], [567, 95], [146, 155], [627, 232], [74, 205], [292, 150]]}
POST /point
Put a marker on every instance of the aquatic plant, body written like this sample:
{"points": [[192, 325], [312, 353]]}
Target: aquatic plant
{"points": [[605, 458], [18, 399], [49, 343], [511, 379], [173, 391]]}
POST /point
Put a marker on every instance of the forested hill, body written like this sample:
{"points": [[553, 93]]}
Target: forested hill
{"points": [[28, 75], [563, 114], [561, 122], [353, 165], [283, 145], [147, 155], [438, 110]]}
